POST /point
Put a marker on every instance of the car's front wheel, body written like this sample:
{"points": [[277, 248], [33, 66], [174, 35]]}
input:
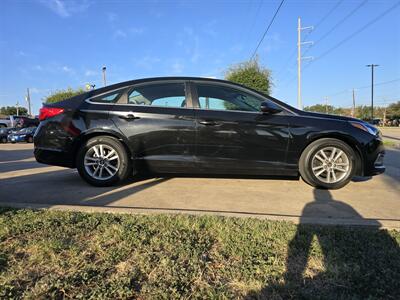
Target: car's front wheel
{"points": [[327, 163], [103, 161]]}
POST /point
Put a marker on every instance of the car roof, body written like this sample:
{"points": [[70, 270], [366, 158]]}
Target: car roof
{"points": [[183, 78]]}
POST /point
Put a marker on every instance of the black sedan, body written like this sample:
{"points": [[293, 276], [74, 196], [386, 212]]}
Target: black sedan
{"points": [[22, 135], [202, 126]]}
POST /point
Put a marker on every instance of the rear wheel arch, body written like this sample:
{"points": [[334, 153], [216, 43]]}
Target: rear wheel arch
{"points": [[87, 136]]}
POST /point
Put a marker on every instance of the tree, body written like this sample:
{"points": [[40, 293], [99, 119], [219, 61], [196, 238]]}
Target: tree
{"points": [[252, 75], [60, 95], [320, 108], [12, 110], [393, 110]]}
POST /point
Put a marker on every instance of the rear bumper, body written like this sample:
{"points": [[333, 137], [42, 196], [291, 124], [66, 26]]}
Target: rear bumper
{"points": [[54, 157]]}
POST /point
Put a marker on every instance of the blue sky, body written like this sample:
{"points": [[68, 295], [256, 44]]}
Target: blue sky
{"points": [[55, 44]]}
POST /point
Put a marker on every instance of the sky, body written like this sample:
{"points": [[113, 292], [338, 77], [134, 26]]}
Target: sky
{"points": [[48, 45]]}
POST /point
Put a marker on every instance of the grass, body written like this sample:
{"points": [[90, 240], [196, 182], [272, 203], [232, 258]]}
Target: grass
{"points": [[52, 254], [389, 143]]}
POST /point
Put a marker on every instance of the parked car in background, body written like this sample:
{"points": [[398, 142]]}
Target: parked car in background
{"points": [[24, 122], [18, 121], [4, 132], [204, 126], [7, 121], [22, 135]]}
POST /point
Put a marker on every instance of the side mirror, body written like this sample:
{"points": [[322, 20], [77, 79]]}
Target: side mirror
{"points": [[269, 108]]}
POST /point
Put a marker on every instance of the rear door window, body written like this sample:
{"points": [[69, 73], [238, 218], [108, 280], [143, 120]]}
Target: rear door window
{"points": [[161, 94]]}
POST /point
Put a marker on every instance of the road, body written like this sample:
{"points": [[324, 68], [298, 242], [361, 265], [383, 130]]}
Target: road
{"points": [[368, 201]]}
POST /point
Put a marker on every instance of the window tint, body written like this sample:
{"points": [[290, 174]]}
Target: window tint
{"points": [[222, 98], [166, 94], [107, 98]]}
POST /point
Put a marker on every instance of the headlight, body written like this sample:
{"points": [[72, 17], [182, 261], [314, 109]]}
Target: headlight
{"points": [[366, 127]]}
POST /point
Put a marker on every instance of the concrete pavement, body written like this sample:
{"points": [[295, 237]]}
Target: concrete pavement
{"points": [[367, 201]]}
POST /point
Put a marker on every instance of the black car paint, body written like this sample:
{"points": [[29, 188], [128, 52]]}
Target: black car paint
{"points": [[194, 140]]}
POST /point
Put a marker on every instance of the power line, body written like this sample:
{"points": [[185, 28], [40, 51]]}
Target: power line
{"points": [[349, 37], [341, 22], [326, 16], [255, 17], [365, 87], [266, 31]]}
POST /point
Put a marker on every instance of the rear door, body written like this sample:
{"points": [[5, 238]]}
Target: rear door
{"points": [[233, 136], [158, 120]]}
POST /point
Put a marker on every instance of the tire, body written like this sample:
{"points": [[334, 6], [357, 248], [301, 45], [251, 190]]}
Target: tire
{"points": [[4, 140], [317, 169], [110, 170], [30, 139]]}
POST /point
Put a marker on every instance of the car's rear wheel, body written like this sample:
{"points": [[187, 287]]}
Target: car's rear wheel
{"points": [[327, 163], [103, 161], [30, 139]]}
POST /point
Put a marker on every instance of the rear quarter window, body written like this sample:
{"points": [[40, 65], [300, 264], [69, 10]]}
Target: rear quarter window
{"points": [[107, 98]]}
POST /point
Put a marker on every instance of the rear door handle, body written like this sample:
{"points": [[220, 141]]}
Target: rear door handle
{"points": [[208, 123]]}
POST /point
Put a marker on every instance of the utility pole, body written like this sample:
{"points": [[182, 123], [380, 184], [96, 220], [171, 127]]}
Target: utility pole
{"points": [[299, 59], [28, 99], [372, 66], [326, 104], [104, 75], [384, 112], [353, 110]]}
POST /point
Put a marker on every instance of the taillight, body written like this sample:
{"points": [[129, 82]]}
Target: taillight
{"points": [[48, 112]]}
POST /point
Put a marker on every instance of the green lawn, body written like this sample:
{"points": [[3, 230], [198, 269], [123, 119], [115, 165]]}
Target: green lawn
{"points": [[51, 254], [389, 143]]}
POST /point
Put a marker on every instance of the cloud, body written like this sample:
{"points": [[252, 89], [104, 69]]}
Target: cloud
{"points": [[22, 53], [119, 34], [177, 68], [136, 30], [38, 68], [122, 34], [192, 44], [67, 70], [147, 62], [65, 9], [89, 73], [273, 43], [112, 17]]}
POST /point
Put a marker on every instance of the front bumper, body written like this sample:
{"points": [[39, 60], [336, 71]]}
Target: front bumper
{"points": [[378, 167], [374, 163]]}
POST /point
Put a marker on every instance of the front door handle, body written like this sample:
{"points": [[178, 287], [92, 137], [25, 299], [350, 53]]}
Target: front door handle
{"points": [[208, 123], [129, 116]]}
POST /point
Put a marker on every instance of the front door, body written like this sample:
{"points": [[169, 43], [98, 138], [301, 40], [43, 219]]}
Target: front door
{"points": [[159, 125], [233, 136]]}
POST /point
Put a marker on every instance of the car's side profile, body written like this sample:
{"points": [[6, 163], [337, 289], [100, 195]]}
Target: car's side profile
{"points": [[202, 126]]}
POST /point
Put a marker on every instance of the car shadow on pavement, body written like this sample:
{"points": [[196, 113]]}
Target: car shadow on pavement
{"points": [[342, 254], [15, 154]]}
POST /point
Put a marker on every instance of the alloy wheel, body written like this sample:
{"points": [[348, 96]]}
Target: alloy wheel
{"points": [[101, 162], [330, 165]]}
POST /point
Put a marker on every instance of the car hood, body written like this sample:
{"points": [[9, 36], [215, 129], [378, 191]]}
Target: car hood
{"points": [[327, 116]]}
